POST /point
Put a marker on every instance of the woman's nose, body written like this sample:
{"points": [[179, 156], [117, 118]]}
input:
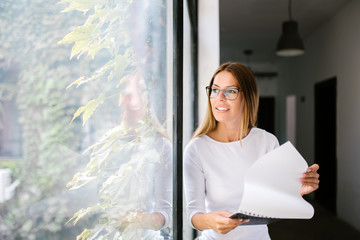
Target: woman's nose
{"points": [[132, 100], [221, 96], [136, 101]]}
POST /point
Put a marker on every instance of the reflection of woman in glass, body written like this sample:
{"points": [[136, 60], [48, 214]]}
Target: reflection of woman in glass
{"points": [[146, 165], [223, 148], [132, 165]]}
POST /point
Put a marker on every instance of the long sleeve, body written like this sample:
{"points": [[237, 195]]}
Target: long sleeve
{"points": [[194, 181], [163, 183]]}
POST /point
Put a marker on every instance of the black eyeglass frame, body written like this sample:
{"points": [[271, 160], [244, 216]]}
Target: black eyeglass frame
{"points": [[208, 89]]}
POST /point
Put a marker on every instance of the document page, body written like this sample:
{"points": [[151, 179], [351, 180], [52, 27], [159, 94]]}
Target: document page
{"points": [[272, 186]]}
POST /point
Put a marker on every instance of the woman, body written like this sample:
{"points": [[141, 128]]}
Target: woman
{"points": [[130, 173], [221, 151], [153, 181]]}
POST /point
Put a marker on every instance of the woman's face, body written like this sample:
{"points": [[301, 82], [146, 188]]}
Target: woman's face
{"points": [[133, 102], [225, 111]]}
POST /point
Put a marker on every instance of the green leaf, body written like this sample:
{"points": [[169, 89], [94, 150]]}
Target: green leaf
{"points": [[78, 82], [77, 113], [84, 235], [96, 46], [91, 107], [99, 13], [80, 33], [79, 180], [78, 47], [80, 5], [27, 226], [83, 212]]}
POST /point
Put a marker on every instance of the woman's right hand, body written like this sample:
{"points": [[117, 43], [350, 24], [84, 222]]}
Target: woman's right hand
{"points": [[218, 221]]}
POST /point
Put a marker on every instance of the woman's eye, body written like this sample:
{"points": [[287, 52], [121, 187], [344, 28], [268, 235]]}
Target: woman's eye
{"points": [[215, 90], [231, 91]]}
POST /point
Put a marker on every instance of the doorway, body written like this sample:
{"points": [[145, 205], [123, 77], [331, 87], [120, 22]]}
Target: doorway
{"points": [[266, 114], [325, 142]]}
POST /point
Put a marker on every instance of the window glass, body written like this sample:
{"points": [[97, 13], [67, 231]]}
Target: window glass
{"points": [[85, 119]]}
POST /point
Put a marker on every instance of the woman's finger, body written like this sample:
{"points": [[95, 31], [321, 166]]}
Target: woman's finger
{"points": [[314, 167]]}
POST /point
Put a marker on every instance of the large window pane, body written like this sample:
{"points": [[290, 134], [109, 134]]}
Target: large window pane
{"points": [[85, 119]]}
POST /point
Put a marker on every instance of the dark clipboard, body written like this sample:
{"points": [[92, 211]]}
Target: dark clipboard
{"points": [[254, 220]]}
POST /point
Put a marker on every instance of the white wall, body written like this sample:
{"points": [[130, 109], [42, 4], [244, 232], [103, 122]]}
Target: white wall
{"points": [[209, 48], [332, 50], [187, 105], [187, 90]]}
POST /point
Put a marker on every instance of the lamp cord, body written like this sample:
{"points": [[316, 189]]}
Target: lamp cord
{"points": [[290, 15]]}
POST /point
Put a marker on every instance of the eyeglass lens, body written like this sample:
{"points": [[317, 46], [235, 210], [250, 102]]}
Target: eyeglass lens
{"points": [[229, 93]]}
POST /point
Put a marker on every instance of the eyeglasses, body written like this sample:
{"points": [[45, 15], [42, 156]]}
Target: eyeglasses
{"points": [[229, 93]]}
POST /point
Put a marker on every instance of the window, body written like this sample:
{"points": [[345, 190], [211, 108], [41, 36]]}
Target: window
{"points": [[10, 130], [94, 104]]}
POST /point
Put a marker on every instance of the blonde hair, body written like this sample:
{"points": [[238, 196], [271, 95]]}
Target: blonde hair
{"points": [[248, 88]]}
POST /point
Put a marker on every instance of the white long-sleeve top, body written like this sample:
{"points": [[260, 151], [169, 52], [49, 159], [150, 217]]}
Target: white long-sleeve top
{"points": [[214, 178]]}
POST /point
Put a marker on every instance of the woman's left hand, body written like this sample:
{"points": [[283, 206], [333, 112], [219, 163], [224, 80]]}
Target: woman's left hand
{"points": [[142, 220], [310, 180]]}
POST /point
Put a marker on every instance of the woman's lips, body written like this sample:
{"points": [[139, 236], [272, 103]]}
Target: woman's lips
{"points": [[222, 109]]}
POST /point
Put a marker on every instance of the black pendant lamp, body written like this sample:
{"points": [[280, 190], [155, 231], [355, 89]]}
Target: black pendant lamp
{"points": [[290, 43]]}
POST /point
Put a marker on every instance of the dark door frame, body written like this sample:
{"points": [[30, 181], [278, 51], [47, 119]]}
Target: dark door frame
{"points": [[325, 100]]}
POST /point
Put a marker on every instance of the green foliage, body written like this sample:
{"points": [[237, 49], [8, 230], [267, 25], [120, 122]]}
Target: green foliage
{"points": [[115, 163], [116, 167], [81, 5], [30, 31], [13, 165], [89, 109], [107, 46], [46, 159], [7, 91]]}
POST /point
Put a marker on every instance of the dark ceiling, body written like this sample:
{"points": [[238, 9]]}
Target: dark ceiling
{"points": [[256, 25]]}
